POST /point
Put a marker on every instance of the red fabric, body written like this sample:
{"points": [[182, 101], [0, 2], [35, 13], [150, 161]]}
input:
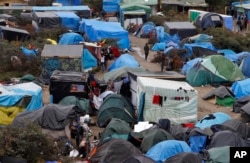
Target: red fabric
{"points": [[93, 83], [156, 99], [115, 51], [189, 125]]}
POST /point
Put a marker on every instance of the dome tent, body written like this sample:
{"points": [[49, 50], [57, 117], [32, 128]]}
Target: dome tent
{"points": [[209, 20]]}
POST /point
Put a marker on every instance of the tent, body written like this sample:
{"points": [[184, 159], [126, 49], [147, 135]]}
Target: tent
{"points": [[70, 38], [212, 119], [166, 149], [111, 6], [205, 45], [209, 20], [216, 154], [120, 73], [189, 64], [51, 116], [116, 128], [227, 138], [183, 29], [158, 99], [115, 106], [241, 88], [245, 66], [69, 2], [69, 20], [125, 60], [184, 157], [234, 125], [214, 69], [113, 150], [145, 30], [99, 30], [229, 54], [138, 159], [14, 94]]}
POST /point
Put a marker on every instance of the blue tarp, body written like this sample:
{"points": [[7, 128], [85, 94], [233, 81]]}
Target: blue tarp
{"points": [[70, 2], [241, 88], [159, 46], [111, 5], [212, 119], [229, 54], [166, 149], [70, 38], [125, 60], [99, 30], [69, 20], [88, 60], [188, 47], [61, 8], [145, 29], [188, 65], [12, 94]]}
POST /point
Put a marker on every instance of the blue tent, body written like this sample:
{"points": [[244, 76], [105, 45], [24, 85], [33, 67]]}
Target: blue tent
{"points": [[188, 65], [189, 47], [69, 20], [98, 30], [70, 38], [241, 88], [70, 2], [212, 119], [166, 149], [145, 29], [88, 60], [125, 60], [111, 5], [245, 66]]}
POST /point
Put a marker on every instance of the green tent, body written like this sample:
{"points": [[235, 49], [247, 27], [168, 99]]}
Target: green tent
{"points": [[214, 69], [115, 106]]}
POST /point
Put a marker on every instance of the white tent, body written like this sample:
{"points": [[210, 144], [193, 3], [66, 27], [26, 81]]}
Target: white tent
{"points": [[161, 99]]}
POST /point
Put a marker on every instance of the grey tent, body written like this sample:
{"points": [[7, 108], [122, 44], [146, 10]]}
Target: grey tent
{"points": [[240, 103], [184, 157], [51, 116], [115, 106], [227, 138], [216, 155], [112, 151], [209, 20], [234, 125]]}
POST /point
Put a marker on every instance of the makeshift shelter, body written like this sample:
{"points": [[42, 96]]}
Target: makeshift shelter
{"points": [[216, 154], [189, 64], [99, 30], [223, 95], [138, 159], [166, 149], [227, 138], [14, 34], [115, 106], [209, 20], [111, 6], [145, 30], [51, 116], [61, 57], [239, 103], [69, 2], [234, 125], [183, 29], [158, 99], [68, 83], [133, 75], [241, 88], [28, 95], [69, 20], [113, 150], [70, 38], [47, 19], [82, 11], [187, 157], [125, 60], [245, 66], [214, 69], [212, 119], [116, 128]]}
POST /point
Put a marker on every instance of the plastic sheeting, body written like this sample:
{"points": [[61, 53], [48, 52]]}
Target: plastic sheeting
{"points": [[14, 93], [69, 20]]}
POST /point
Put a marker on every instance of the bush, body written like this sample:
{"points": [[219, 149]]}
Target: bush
{"points": [[26, 142]]}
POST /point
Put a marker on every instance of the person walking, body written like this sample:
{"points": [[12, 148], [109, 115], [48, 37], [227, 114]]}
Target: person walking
{"points": [[103, 63], [146, 51]]}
